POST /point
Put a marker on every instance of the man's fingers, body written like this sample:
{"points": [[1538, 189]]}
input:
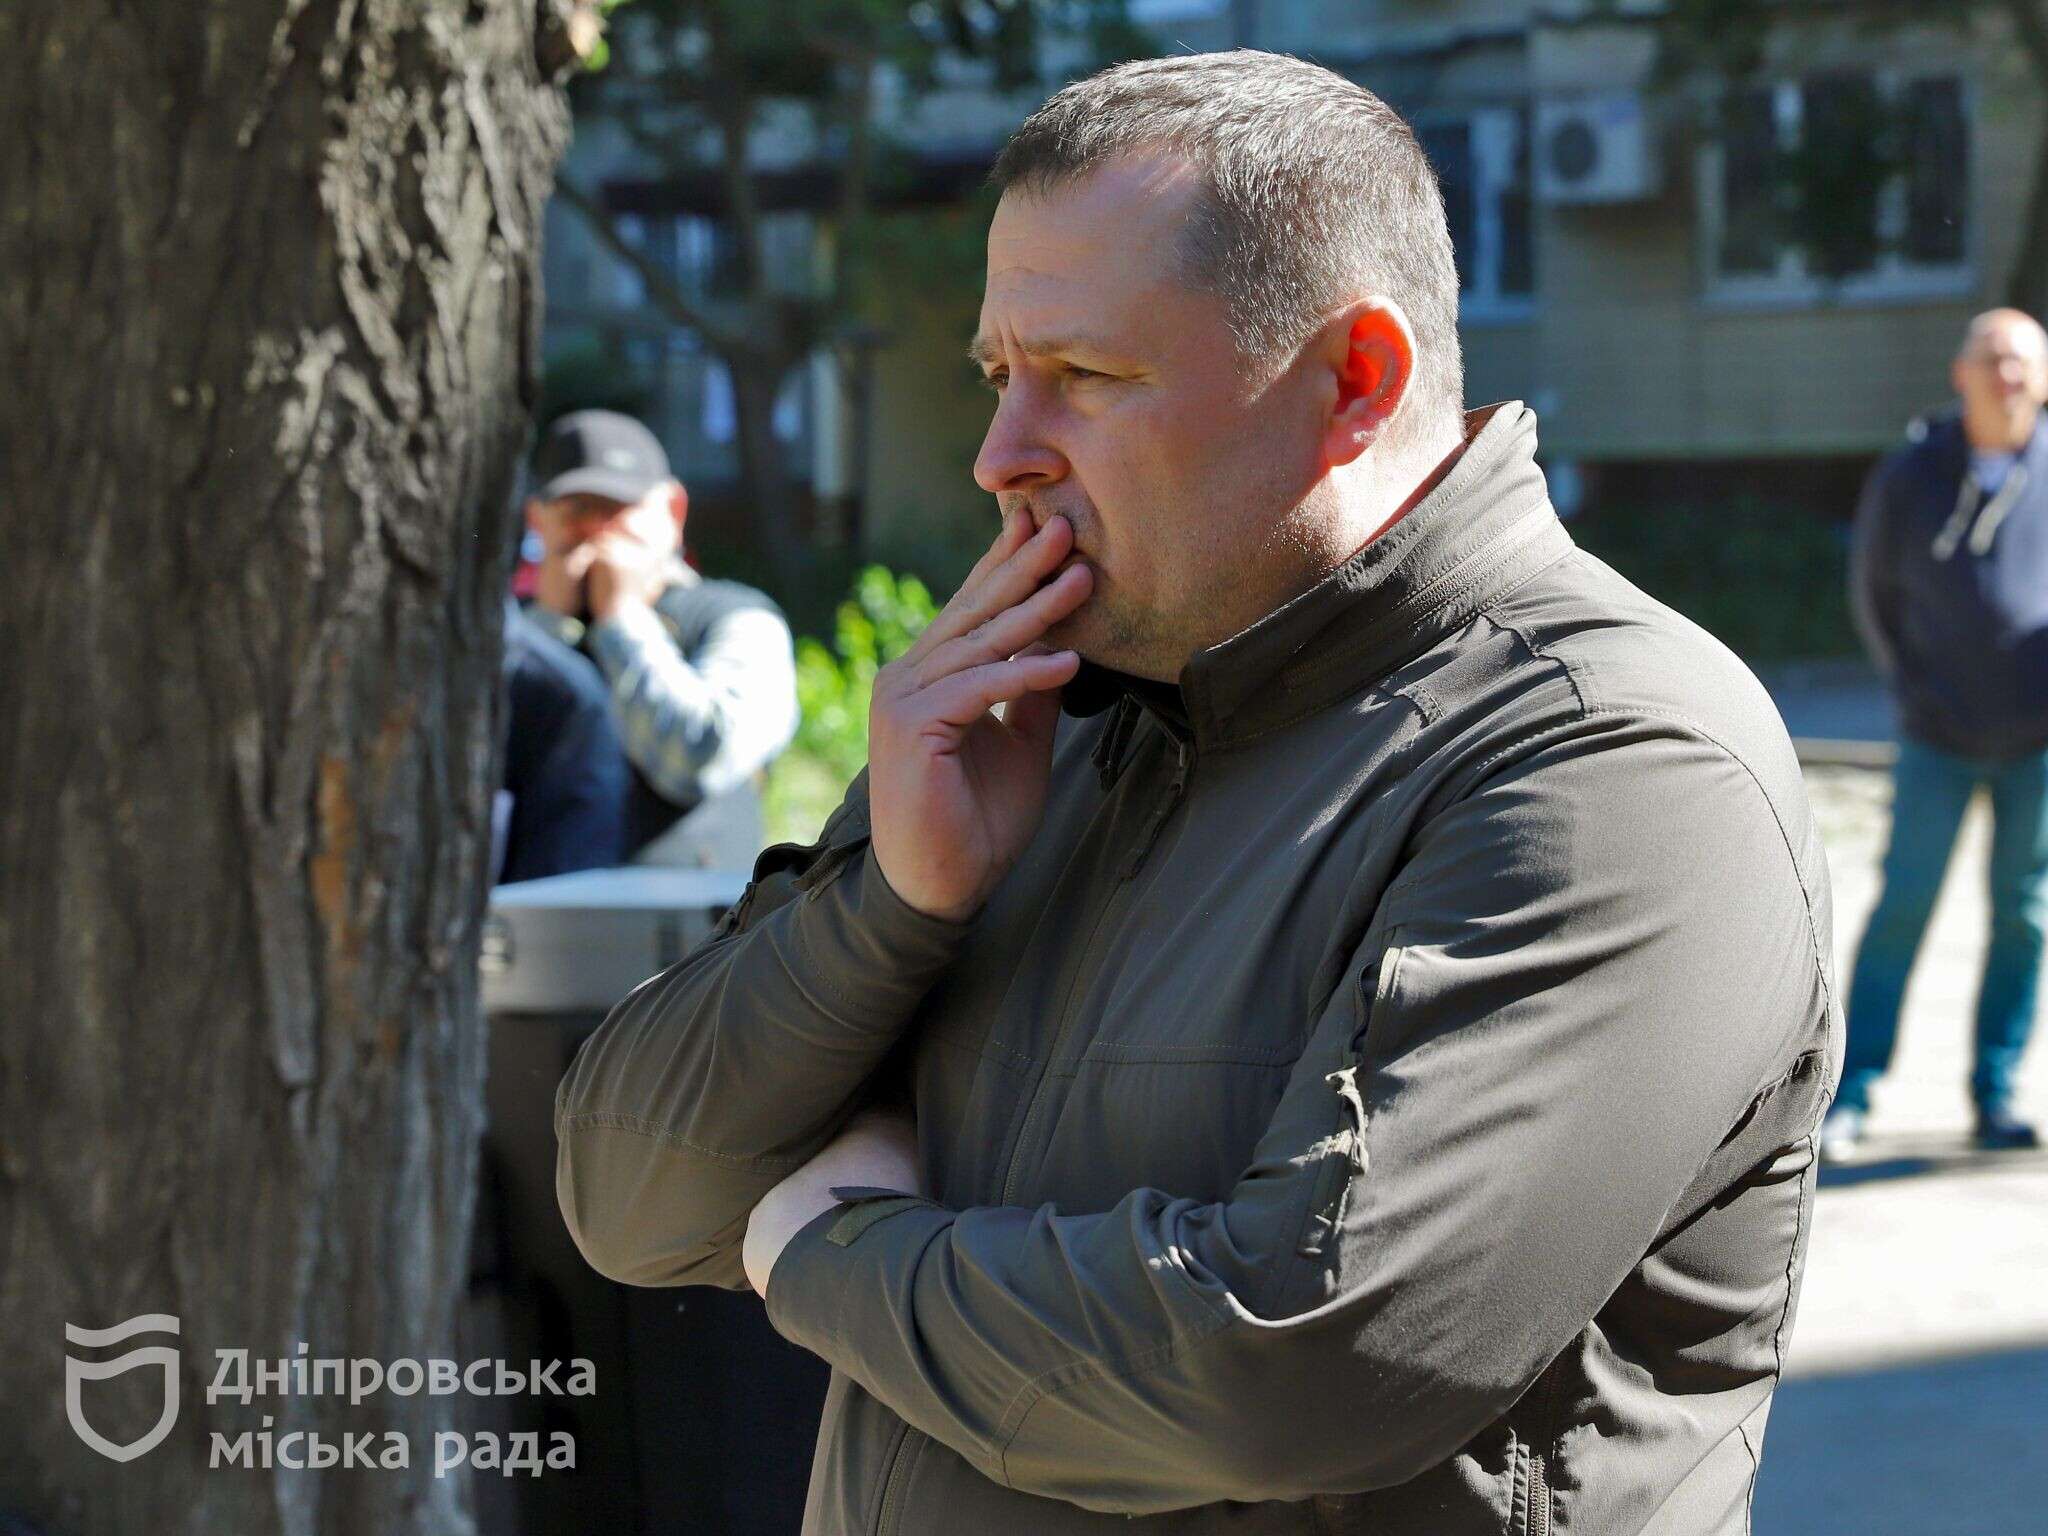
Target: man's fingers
{"points": [[966, 697], [613, 541], [1017, 534], [1035, 717], [1008, 584], [1011, 630], [1009, 539]]}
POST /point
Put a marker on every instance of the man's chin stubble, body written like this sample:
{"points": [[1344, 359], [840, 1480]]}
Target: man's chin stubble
{"points": [[1110, 636]]}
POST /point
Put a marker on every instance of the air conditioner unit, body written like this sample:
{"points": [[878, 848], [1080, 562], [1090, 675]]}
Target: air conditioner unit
{"points": [[1596, 149]]}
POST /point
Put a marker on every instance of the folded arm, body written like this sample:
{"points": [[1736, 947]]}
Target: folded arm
{"points": [[715, 1079], [1566, 1001]]}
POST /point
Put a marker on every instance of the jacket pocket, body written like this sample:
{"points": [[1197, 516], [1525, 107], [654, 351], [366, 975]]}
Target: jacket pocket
{"points": [[828, 866], [788, 870]]}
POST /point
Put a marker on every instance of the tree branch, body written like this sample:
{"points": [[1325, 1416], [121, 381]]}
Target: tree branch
{"points": [[661, 287], [856, 173], [732, 108]]}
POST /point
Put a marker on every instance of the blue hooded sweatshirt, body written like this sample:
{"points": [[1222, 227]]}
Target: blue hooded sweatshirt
{"points": [[1949, 580]]}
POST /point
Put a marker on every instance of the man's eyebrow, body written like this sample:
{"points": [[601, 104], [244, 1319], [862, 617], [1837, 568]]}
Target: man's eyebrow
{"points": [[986, 351]]}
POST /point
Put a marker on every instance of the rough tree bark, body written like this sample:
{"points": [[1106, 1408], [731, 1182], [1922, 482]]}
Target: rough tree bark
{"points": [[268, 293]]}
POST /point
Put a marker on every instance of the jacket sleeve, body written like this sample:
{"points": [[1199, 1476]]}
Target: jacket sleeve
{"points": [[1589, 968], [697, 725], [1873, 570], [716, 1078]]}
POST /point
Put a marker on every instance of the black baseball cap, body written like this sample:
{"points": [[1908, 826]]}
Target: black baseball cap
{"points": [[598, 453]]}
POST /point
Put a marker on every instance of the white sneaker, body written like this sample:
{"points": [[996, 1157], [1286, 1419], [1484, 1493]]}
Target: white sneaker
{"points": [[1841, 1134]]}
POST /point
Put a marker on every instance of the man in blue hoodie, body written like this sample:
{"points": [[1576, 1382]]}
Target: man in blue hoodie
{"points": [[1949, 574]]}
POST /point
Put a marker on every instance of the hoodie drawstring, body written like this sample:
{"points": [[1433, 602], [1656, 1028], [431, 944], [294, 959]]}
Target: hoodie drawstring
{"points": [[1987, 521]]}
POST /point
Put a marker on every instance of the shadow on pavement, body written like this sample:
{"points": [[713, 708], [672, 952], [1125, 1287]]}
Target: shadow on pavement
{"points": [[1955, 1447], [1965, 1161]]}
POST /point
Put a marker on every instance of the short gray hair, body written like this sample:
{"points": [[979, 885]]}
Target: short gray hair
{"points": [[1316, 193]]}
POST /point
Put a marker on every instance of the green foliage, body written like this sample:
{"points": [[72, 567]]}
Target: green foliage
{"points": [[600, 53], [875, 625], [1770, 581]]}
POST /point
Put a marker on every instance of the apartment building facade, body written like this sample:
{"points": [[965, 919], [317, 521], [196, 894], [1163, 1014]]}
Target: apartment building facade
{"points": [[1632, 263]]}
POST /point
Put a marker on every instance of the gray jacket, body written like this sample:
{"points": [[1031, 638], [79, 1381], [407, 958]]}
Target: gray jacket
{"points": [[1380, 1100]]}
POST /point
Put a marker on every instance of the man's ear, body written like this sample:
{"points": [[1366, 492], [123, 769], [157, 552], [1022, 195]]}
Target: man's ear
{"points": [[532, 510], [678, 503], [1371, 349]]}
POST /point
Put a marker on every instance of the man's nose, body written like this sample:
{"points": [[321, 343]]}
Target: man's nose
{"points": [[1015, 455]]}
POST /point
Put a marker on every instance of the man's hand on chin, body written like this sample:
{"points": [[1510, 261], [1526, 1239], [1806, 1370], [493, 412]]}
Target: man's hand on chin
{"points": [[878, 1149]]}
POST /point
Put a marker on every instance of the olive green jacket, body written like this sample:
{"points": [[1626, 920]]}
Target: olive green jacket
{"points": [[1381, 1099]]}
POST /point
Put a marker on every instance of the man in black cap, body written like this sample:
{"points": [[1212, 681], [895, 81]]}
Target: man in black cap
{"points": [[700, 674]]}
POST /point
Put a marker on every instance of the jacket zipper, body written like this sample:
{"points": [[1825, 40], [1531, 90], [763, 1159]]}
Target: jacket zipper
{"points": [[1539, 1461], [899, 1464], [1183, 766]]}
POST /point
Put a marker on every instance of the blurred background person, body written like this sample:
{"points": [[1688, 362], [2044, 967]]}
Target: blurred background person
{"points": [[699, 675], [567, 785], [1949, 576]]}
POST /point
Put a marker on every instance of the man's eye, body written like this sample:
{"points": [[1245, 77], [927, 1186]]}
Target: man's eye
{"points": [[1074, 372], [996, 380]]}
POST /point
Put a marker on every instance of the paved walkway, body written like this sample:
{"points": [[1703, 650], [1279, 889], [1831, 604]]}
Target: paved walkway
{"points": [[1832, 701], [1916, 1398]]}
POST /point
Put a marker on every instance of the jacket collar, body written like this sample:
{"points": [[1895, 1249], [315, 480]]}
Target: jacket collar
{"points": [[1486, 526]]}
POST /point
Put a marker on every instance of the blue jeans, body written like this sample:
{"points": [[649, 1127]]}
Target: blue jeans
{"points": [[1931, 790]]}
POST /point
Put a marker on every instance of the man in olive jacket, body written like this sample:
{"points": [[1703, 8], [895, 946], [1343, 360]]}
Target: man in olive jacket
{"points": [[1315, 1017]]}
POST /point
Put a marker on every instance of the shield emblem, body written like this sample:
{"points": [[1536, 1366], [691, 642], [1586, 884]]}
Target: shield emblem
{"points": [[78, 1372]]}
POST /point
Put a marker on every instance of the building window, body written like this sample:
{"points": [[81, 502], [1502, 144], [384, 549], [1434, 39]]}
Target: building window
{"points": [[706, 257], [1850, 184], [703, 255], [1482, 164]]}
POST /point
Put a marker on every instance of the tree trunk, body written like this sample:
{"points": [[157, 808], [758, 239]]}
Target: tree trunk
{"points": [[764, 469], [268, 322]]}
